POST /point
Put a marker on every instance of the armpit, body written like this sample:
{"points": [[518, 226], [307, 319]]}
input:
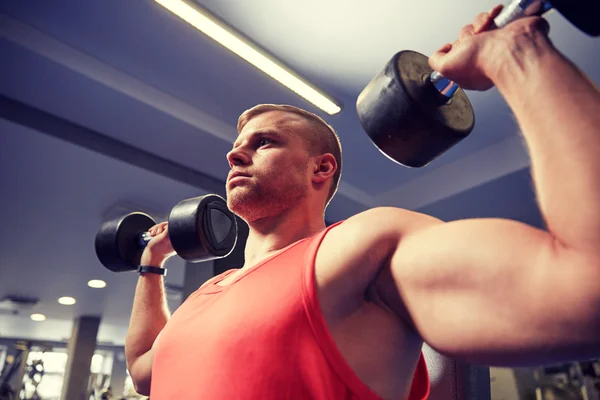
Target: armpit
{"points": [[384, 293]]}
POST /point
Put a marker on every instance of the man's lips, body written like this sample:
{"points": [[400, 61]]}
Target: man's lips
{"points": [[237, 176]]}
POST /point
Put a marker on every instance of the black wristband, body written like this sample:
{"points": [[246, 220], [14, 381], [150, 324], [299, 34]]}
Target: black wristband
{"points": [[142, 269]]}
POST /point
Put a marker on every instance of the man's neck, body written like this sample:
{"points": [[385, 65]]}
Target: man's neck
{"points": [[268, 235]]}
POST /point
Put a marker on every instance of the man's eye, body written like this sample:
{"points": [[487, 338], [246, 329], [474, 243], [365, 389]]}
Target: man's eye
{"points": [[264, 141]]}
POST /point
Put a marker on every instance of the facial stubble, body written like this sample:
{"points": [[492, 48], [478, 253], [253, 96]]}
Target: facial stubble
{"points": [[268, 194]]}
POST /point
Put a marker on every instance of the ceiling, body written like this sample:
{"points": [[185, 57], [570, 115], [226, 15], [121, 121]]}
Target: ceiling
{"points": [[120, 105]]}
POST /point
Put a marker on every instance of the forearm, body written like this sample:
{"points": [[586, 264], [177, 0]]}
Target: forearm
{"points": [[558, 110], [149, 315]]}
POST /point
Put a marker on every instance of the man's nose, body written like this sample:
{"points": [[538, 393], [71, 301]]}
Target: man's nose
{"points": [[237, 157]]}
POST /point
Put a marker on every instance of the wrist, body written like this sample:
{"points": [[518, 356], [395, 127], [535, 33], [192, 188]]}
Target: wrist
{"points": [[511, 63], [152, 260]]}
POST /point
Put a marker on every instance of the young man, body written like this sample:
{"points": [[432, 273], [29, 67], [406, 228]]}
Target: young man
{"points": [[342, 312]]}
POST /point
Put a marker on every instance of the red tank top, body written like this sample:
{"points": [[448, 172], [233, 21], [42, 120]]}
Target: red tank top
{"points": [[261, 337]]}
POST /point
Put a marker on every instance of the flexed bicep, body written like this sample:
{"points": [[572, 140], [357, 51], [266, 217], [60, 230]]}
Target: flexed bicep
{"points": [[496, 292]]}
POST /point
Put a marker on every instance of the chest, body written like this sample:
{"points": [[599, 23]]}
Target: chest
{"points": [[266, 317]]}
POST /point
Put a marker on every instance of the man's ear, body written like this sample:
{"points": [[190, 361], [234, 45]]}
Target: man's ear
{"points": [[325, 167]]}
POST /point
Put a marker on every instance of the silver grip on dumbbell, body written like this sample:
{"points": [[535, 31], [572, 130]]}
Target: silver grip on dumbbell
{"points": [[520, 9], [143, 239], [511, 12]]}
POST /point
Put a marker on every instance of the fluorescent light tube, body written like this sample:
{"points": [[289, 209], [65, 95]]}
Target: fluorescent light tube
{"points": [[204, 23]]}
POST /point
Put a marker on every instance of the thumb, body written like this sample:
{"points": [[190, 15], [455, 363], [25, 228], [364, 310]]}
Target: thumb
{"points": [[165, 232]]}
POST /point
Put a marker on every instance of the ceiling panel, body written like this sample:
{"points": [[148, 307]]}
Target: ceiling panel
{"points": [[43, 84]]}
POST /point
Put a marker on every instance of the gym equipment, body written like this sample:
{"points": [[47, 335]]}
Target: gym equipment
{"points": [[33, 377], [200, 229], [413, 114], [20, 379], [11, 381], [576, 380]]}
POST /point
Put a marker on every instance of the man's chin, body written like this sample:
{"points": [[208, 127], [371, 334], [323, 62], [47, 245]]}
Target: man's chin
{"points": [[247, 205], [238, 200]]}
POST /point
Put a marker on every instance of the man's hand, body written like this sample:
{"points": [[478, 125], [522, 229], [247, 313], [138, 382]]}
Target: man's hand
{"points": [[478, 54], [159, 249]]}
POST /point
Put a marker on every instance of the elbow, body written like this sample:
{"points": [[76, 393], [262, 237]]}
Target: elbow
{"points": [[596, 321], [140, 377], [142, 388], [141, 384], [594, 351], [591, 304]]}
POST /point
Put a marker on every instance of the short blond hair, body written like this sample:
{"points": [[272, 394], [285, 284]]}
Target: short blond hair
{"points": [[322, 139]]}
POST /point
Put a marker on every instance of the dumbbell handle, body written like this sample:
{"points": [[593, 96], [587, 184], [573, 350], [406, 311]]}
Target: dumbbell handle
{"points": [[143, 239], [513, 11]]}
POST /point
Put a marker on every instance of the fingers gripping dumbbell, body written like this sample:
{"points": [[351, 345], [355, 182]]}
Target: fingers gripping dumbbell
{"points": [[413, 114], [200, 229]]}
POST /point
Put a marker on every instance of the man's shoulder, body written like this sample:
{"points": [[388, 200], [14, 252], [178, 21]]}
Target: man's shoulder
{"points": [[352, 252], [380, 222]]}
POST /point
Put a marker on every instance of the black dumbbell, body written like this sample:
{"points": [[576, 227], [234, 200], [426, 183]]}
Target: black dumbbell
{"points": [[200, 229], [413, 114]]}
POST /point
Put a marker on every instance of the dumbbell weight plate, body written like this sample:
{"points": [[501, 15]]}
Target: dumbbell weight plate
{"points": [[202, 228], [116, 241], [405, 116], [581, 14]]}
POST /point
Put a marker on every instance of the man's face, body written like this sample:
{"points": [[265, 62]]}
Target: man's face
{"points": [[271, 152]]}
